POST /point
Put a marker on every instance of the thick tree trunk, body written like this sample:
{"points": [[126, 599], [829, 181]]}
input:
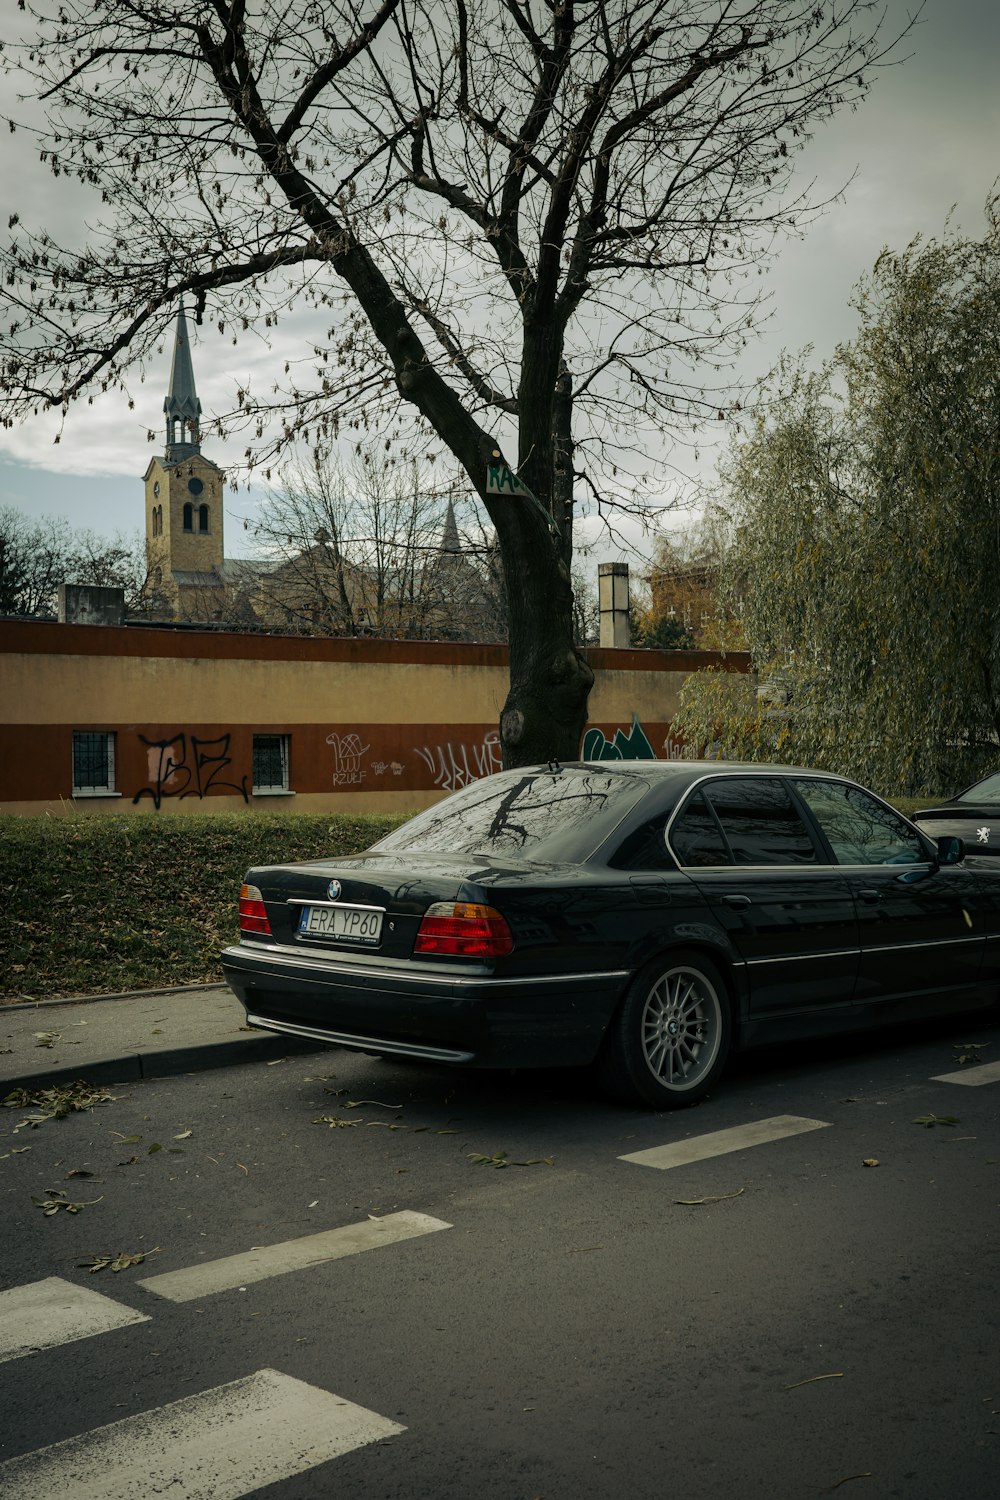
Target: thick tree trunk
{"points": [[545, 713], [546, 709]]}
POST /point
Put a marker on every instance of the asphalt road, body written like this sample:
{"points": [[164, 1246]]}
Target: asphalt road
{"points": [[777, 1319]]}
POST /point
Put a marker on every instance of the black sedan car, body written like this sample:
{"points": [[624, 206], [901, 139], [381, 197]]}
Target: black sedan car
{"points": [[972, 815], [647, 917]]}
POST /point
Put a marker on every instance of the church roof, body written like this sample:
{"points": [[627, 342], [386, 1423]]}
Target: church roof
{"points": [[189, 578]]}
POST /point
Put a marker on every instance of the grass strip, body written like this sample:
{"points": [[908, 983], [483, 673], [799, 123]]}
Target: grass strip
{"points": [[103, 904]]}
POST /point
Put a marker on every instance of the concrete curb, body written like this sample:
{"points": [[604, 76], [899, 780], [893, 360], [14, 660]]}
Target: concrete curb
{"points": [[173, 989], [134, 1067]]}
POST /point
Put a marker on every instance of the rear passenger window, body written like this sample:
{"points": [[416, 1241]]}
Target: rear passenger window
{"points": [[695, 836], [761, 822]]}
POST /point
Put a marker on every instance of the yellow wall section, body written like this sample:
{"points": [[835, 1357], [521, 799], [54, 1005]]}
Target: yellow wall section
{"points": [[113, 689]]}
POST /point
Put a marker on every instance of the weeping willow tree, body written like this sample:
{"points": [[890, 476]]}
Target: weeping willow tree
{"points": [[863, 546]]}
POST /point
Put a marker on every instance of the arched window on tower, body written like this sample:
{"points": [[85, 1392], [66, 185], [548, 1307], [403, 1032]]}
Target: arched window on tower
{"points": [[189, 517], [159, 520], [203, 518]]}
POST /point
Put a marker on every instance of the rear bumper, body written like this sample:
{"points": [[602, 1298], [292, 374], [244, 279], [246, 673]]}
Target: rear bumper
{"points": [[474, 1019]]}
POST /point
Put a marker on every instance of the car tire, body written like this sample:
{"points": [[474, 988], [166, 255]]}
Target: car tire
{"points": [[670, 1038]]}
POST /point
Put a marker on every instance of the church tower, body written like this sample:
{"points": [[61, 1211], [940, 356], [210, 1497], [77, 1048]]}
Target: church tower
{"points": [[184, 503]]}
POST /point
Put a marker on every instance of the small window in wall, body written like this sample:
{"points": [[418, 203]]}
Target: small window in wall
{"points": [[203, 518], [270, 764], [189, 517], [93, 764]]}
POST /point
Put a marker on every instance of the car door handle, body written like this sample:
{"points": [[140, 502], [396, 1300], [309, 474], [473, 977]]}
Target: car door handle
{"points": [[738, 903], [870, 896]]}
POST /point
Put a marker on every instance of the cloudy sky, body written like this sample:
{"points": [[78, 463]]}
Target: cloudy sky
{"points": [[926, 141]]}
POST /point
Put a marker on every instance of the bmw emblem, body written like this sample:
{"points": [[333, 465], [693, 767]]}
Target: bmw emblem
{"points": [[333, 890]]}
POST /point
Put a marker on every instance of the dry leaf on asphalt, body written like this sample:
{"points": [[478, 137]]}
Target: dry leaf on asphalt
{"points": [[58, 1200], [811, 1379], [716, 1198], [119, 1262], [501, 1159]]}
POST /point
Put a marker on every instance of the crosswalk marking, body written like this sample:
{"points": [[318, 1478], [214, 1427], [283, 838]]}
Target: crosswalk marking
{"points": [[48, 1313], [218, 1445], [971, 1077], [291, 1255], [719, 1142]]}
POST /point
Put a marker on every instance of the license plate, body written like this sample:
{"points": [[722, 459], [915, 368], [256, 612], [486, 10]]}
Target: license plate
{"points": [[344, 924]]}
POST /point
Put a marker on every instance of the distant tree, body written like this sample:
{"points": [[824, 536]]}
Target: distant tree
{"points": [[864, 544], [34, 561], [118, 561], [36, 556], [522, 221], [663, 633]]}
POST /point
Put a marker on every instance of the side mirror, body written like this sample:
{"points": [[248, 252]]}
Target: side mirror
{"points": [[950, 851]]}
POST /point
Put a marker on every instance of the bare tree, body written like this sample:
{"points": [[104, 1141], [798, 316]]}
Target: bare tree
{"points": [[522, 218], [371, 547], [36, 556]]}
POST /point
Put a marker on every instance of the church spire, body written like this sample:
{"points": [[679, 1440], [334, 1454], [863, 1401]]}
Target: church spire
{"points": [[181, 404], [450, 540]]}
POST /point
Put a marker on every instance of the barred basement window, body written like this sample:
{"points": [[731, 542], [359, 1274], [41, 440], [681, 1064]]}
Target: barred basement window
{"points": [[270, 763], [93, 763]]}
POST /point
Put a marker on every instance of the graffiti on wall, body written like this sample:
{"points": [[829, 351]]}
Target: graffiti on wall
{"points": [[347, 753], [676, 749], [187, 766], [631, 746], [455, 765]]}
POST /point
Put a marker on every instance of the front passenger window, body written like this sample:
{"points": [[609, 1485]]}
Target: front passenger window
{"points": [[860, 830]]}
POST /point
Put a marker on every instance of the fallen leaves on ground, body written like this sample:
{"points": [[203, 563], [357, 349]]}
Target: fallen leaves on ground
{"points": [[970, 1052], [119, 1262], [929, 1121], [811, 1379], [57, 1200], [715, 1198], [501, 1159], [56, 1102]]}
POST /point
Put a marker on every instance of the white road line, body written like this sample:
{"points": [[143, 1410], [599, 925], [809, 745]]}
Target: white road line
{"points": [[219, 1445], [48, 1313], [290, 1255], [680, 1153], [971, 1077]]}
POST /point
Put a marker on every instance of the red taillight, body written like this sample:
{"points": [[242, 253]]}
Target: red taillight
{"points": [[253, 915], [463, 929]]}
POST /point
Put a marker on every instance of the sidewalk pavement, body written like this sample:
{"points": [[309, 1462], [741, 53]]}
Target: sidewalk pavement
{"points": [[122, 1038]]}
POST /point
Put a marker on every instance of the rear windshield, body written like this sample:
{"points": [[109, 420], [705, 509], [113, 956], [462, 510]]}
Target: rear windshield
{"points": [[547, 815], [983, 791]]}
